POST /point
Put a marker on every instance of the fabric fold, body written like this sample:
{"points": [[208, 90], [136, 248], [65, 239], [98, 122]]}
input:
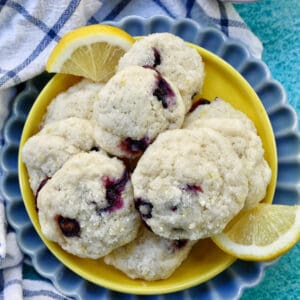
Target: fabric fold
{"points": [[30, 30]]}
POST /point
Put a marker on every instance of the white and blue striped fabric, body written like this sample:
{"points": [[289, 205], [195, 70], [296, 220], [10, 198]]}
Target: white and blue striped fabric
{"points": [[29, 29]]}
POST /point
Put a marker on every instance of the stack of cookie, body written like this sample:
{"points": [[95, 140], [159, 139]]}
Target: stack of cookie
{"points": [[133, 172]]}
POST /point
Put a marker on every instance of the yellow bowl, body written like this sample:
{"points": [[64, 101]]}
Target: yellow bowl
{"points": [[206, 260]]}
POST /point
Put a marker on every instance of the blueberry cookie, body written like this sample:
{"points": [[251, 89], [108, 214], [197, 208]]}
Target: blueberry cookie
{"points": [[79, 132], [87, 206], [173, 58], [43, 155], [248, 146], [149, 256], [77, 101], [133, 108], [189, 184], [217, 108]]}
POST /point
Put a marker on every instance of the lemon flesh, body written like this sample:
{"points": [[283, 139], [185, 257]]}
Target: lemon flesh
{"points": [[96, 61], [261, 233], [92, 52]]}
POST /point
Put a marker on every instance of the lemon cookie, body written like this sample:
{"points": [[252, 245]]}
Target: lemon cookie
{"points": [[43, 155], [133, 108], [149, 256], [173, 58], [87, 206], [189, 184], [77, 101], [246, 143]]}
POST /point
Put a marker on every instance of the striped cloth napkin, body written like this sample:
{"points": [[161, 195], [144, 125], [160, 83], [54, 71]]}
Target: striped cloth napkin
{"points": [[29, 29]]}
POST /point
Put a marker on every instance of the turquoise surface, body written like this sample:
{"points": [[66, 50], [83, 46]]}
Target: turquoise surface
{"points": [[277, 24]]}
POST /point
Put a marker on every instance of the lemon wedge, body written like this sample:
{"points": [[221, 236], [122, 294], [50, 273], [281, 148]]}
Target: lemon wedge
{"points": [[261, 233], [91, 51]]}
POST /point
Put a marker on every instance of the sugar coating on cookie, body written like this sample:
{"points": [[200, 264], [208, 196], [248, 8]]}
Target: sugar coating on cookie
{"points": [[149, 256], [87, 206], [79, 132], [217, 108], [133, 108], [173, 58], [189, 184], [77, 101], [43, 155], [248, 146]]}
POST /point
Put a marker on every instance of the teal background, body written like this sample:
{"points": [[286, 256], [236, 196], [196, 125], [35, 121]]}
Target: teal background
{"points": [[277, 25]]}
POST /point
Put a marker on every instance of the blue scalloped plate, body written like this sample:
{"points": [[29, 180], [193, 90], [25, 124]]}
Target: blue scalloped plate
{"points": [[230, 283]]}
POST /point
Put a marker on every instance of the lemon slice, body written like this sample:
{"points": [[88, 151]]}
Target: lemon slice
{"points": [[92, 52], [261, 233]]}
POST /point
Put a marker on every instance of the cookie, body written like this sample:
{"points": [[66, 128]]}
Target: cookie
{"points": [[133, 108], [217, 108], [149, 256], [79, 132], [87, 206], [189, 184], [43, 155], [246, 143], [173, 58], [77, 101]]}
